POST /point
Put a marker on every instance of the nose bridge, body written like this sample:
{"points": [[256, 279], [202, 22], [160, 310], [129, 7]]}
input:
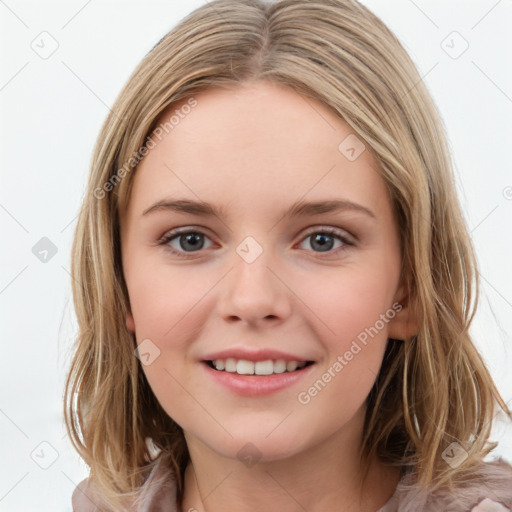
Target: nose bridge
{"points": [[253, 291]]}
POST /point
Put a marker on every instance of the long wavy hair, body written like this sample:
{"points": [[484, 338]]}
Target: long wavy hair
{"points": [[433, 388]]}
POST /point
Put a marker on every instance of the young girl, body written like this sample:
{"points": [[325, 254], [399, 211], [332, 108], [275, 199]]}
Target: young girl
{"points": [[309, 350]]}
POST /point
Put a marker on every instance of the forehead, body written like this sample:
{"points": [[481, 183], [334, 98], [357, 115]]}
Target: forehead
{"points": [[256, 145]]}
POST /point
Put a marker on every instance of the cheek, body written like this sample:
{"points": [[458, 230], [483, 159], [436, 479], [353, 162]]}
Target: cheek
{"points": [[349, 300], [167, 310], [162, 301], [351, 317], [351, 312]]}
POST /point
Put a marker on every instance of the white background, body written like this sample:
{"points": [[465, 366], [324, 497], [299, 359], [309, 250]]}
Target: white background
{"points": [[51, 112]]}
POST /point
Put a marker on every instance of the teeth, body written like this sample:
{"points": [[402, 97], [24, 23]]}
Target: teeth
{"points": [[245, 367], [291, 366], [230, 365], [268, 367], [264, 367], [279, 366]]}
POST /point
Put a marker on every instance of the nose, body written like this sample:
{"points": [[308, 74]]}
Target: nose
{"points": [[255, 293]]}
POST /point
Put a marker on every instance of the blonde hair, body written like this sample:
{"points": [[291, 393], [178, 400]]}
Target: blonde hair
{"points": [[434, 388]]}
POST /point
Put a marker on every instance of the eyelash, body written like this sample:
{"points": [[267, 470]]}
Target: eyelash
{"points": [[332, 232]]}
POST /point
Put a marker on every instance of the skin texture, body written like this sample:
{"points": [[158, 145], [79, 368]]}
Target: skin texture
{"points": [[255, 150]]}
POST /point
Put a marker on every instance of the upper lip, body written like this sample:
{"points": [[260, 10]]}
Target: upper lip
{"points": [[262, 354]]}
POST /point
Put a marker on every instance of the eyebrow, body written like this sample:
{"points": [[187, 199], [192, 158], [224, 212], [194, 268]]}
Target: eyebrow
{"points": [[298, 209]]}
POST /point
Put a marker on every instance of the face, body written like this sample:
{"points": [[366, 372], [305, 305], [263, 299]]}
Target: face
{"points": [[316, 284]]}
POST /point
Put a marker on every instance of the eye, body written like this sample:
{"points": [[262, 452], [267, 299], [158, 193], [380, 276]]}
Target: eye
{"points": [[322, 239], [187, 241]]}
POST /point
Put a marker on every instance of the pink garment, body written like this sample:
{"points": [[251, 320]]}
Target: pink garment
{"points": [[492, 493]]}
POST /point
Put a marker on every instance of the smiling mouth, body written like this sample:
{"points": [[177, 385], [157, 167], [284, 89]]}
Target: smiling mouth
{"points": [[260, 368]]}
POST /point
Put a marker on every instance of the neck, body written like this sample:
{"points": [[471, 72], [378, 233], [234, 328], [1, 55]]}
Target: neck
{"points": [[327, 476]]}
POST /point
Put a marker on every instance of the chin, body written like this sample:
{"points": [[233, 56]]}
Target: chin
{"points": [[250, 448]]}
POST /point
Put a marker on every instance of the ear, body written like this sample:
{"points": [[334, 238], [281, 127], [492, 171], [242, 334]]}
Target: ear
{"points": [[405, 322], [130, 322]]}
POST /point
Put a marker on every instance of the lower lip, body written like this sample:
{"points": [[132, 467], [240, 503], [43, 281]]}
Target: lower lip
{"points": [[257, 385]]}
